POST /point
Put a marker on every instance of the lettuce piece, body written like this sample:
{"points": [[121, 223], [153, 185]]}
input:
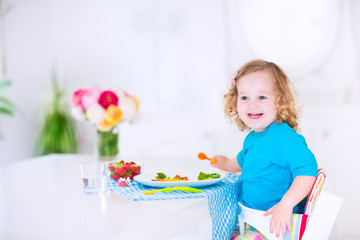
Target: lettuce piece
{"points": [[161, 175], [208, 176]]}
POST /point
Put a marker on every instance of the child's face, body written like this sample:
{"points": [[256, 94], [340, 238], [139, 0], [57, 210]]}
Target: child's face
{"points": [[256, 100]]}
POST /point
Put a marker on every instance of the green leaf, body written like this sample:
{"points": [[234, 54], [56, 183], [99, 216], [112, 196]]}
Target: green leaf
{"points": [[206, 176], [6, 106], [6, 111], [6, 102], [161, 175], [4, 83]]}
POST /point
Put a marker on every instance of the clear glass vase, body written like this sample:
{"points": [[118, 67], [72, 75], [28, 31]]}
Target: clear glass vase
{"points": [[107, 145]]}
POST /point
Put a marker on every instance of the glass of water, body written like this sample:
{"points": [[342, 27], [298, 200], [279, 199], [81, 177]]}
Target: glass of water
{"points": [[94, 177]]}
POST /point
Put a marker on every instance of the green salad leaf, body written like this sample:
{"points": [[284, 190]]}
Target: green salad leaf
{"points": [[208, 176], [161, 175]]}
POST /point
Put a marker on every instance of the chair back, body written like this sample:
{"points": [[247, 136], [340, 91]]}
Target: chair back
{"points": [[317, 220], [323, 217]]}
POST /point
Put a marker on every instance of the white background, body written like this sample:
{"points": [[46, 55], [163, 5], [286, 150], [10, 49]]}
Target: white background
{"points": [[177, 57]]}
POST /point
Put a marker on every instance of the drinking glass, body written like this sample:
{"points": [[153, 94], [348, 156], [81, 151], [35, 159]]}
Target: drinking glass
{"points": [[94, 177]]}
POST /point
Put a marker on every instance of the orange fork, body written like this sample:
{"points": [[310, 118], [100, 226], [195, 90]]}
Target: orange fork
{"points": [[203, 156]]}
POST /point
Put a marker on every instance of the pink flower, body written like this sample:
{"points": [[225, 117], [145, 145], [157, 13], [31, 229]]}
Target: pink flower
{"points": [[77, 97], [90, 97], [122, 184], [108, 98], [126, 94]]}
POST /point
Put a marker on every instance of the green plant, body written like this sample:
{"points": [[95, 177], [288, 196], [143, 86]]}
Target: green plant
{"points": [[58, 132], [6, 106]]}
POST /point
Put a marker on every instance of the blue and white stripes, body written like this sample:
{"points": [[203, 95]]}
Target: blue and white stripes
{"points": [[222, 197]]}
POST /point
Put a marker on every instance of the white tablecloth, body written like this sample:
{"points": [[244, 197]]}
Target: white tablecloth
{"points": [[42, 198]]}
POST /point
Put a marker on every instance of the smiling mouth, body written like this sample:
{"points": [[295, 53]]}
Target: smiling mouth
{"points": [[255, 115]]}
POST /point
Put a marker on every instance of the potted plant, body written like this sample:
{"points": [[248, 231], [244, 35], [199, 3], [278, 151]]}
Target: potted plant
{"points": [[58, 130]]}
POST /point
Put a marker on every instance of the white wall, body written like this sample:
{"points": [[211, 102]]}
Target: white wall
{"points": [[177, 56]]}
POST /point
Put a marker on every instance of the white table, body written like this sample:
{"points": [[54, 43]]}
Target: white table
{"points": [[42, 198]]}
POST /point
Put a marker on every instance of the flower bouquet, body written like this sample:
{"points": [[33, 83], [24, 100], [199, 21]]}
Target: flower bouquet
{"points": [[105, 109]]}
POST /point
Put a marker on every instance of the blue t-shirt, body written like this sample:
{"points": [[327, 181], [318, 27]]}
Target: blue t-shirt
{"points": [[270, 161]]}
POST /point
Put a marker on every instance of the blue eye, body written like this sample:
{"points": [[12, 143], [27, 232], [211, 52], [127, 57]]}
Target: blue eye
{"points": [[244, 98], [262, 97]]}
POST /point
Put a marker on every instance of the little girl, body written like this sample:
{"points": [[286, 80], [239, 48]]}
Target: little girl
{"points": [[277, 168]]}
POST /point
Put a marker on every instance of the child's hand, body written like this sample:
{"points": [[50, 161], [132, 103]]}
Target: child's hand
{"points": [[281, 212], [281, 218], [226, 164], [220, 162]]}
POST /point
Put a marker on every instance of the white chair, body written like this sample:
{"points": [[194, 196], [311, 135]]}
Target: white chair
{"points": [[316, 223]]}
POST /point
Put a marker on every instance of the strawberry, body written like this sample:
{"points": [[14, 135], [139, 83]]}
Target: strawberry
{"points": [[135, 168], [115, 176], [111, 167], [119, 164], [131, 176], [127, 165], [121, 171]]}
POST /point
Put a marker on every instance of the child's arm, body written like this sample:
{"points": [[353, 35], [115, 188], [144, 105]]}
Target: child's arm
{"points": [[281, 212], [226, 164]]}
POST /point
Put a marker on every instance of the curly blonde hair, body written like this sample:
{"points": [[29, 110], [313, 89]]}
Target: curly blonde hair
{"points": [[287, 108]]}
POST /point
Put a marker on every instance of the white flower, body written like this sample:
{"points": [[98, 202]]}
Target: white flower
{"points": [[121, 94], [95, 113], [78, 113], [135, 118], [128, 108]]}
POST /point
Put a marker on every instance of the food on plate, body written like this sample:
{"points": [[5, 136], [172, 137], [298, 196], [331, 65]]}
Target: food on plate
{"points": [[208, 176], [124, 170], [162, 177], [169, 180]]}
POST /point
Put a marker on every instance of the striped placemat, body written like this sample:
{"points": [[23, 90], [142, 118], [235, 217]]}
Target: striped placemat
{"points": [[222, 197]]}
